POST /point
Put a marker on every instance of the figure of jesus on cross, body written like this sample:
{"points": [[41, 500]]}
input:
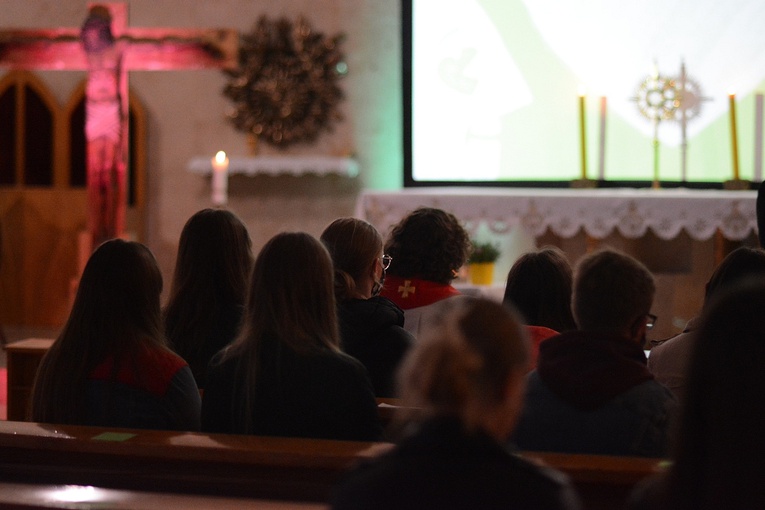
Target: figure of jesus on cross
{"points": [[107, 49], [104, 118]]}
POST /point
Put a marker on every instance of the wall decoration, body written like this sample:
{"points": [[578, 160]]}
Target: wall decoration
{"points": [[286, 89]]}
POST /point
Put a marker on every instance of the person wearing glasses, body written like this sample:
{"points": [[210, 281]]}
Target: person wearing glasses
{"points": [[371, 326], [428, 246], [592, 391]]}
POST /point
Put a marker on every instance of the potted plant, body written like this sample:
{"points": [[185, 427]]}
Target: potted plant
{"points": [[481, 261]]}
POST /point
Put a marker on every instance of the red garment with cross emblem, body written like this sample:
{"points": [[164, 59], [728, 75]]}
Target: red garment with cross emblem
{"points": [[412, 292]]}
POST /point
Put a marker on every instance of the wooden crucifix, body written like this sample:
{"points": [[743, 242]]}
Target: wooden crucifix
{"points": [[107, 49]]}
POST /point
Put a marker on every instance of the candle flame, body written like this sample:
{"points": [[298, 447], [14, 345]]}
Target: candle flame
{"points": [[220, 157]]}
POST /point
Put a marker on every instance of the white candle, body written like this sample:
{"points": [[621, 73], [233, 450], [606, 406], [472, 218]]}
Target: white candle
{"points": [[220, 178], [758, 137], [602, 145]]}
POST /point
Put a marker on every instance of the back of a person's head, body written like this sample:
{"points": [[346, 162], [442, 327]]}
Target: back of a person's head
{"points": [[720, 446], [461, 365], [116, 310], [354, 245], [428, 243], [291, 296], [117, 297], [214, 259], [741, 264], [611, 290], [539, 285]]}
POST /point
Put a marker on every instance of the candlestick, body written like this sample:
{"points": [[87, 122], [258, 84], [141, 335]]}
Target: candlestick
{"points": [[733, 134], [583, 135], [602, 145], [220, 178], [683, 124], [758, 137], [656, 182]]}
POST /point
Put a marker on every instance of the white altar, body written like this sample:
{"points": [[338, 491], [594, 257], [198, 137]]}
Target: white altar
{"points": [[516, 219], [566, 212]]}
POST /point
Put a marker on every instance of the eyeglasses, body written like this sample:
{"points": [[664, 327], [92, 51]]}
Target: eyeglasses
{"points": [[650, 320], [386, 260]]}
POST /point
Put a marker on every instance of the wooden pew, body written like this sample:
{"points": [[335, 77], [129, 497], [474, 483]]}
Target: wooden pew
{"points": [[219, 464], [603, 482], [18, 496], [292, 469], [22, 359]]}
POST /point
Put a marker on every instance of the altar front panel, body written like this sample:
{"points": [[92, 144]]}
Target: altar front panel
{"points": [[566, 212], [679, 234]]}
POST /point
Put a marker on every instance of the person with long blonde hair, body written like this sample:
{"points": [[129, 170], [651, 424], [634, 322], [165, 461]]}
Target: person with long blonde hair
{"points": [[462, 389], [285, 375]]}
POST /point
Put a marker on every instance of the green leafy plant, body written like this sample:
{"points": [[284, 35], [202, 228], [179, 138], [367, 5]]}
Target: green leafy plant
{"points": [[484, 252]]}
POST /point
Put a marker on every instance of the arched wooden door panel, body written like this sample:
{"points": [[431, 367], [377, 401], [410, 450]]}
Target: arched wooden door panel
{"points": [[43, 198]]}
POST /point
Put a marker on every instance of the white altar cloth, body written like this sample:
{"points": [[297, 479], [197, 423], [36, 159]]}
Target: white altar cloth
{"points": [[598, 212]]}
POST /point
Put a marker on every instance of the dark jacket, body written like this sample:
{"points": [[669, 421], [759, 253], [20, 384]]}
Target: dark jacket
{"points": [[323, 394], [372, 332], [443, 466], [153, 390], [592, 393]]}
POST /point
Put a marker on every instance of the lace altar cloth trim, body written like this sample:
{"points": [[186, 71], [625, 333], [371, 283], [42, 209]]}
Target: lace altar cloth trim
{"points": [[598, 212]]}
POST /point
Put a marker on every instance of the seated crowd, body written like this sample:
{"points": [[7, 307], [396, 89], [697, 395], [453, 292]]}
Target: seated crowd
{"points": [[300, 340]]}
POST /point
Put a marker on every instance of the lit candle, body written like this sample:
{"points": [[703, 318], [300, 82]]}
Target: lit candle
{"points": [[733, 135], [583, 135], [758, 137], [220, 178], [602, 146]]}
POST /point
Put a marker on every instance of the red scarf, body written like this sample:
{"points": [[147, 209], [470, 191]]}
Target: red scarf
{"points": [[410, 293], [538, 334]]}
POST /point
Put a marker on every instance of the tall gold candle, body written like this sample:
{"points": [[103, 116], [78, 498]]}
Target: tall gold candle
{"points": [[733, 134], [583, 135]]}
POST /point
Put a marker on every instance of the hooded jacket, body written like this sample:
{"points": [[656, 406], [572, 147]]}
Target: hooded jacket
{"points": [[592, 393]]}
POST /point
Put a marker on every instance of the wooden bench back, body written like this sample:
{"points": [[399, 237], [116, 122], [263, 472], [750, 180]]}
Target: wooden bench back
{"points": [[294, 469]]}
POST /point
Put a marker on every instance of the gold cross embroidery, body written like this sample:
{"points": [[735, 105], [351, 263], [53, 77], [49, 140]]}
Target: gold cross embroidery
{"points": [[406, 289]]}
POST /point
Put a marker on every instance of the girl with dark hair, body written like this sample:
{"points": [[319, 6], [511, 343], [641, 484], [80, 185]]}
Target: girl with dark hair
{"points": [[719, 448], [110, 365], [284, 375], [539, 285], [428, 248], [209, 285], [370, 326]]}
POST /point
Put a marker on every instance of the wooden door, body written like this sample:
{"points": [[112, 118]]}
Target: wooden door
{"points": [[43, 199]]}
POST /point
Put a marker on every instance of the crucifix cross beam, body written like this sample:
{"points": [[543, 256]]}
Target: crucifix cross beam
{"points": [[107, 48]]}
